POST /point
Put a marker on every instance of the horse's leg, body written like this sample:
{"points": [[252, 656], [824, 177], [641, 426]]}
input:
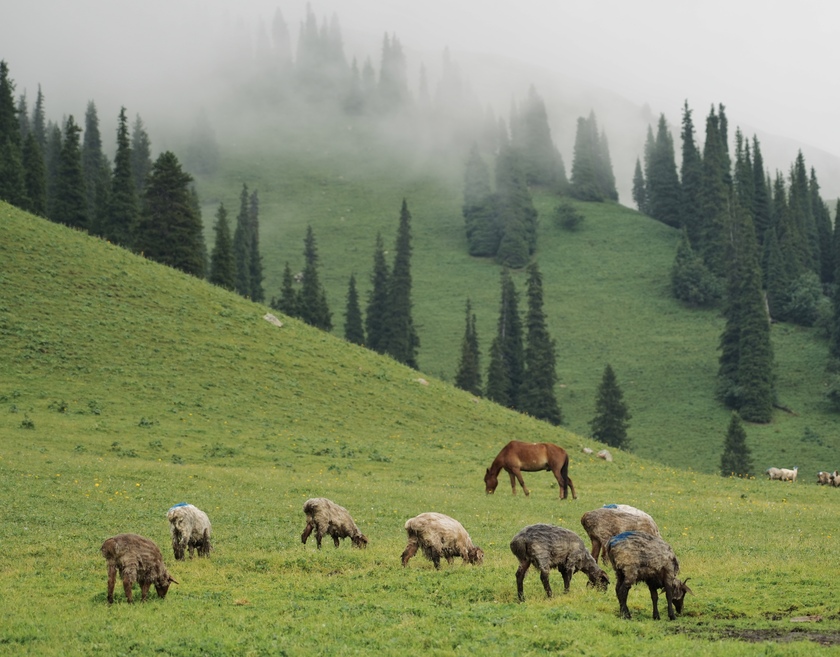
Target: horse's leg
{"points": [[518, 474], [512, 481], [561, 483], [572, 486]]}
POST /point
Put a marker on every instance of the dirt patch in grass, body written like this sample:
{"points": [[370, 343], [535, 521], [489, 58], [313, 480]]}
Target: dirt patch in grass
{"points": [[778, 635]]}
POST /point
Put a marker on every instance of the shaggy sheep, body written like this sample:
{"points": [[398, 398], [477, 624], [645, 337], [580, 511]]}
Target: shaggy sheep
{"points": [[825, 478], [835, 478], [549, 546], [788, 475], [439, 536], [773, 473], [631, 509], [329, 519], [602, 524], [190, 529], [641, 557], [138, 560]]}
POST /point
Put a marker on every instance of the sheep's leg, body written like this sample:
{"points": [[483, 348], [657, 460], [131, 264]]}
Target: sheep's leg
{"points": [[567, 578], [545, 582], [335, 539], [306, 531], [654, 598], [622, 589], [436, 560], [318, 536], [144, 591], [669, 596], [410, 551], [596, 549], [520, 578], [127, 588], [112, 579]]}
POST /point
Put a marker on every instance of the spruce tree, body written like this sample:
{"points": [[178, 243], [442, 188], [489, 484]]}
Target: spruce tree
{"points": [[70, 204], [663, 183], [12, 175], [536, 395], [242, 245], [479, 209], [52, 164], [312, 298], [354, 330], [507, 355], [35, 177], [714, 198], [169, 230], [124, 202], [468, 375], [640, 188], [375, 317], [288, 300], [762, 216], [609, 425], [402, 341], [691, 174], [222, 264], [97, 174], [691, 281], [39, 121], [541, 161], [583, 183], [254, 257], [516, 211], [735, 459], [141, 154]]}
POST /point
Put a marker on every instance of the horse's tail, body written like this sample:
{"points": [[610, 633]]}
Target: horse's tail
{"points": [[567, 480]]}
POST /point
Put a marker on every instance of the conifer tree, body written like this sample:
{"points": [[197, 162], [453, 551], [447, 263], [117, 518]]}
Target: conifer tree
{"points": [[802, 215], [612, 417], [691, 174], [254, 258], [592, 176], [70, 204], [35, 177], [23, 117], [169, 230], [507, 355], [640, 188], [377, 305], [762, 216], [691, 281], [714, 198], [536, 394], [541, 161], [822, 222], [735, 459], [468, 375], [222, 264], [663, 183], [96, 172], [288, 300], [604, 170], [479, 209], [141, 155], [516, 210], [312, 305], [124, 202], [354, 330], [402, 341], [834, 329], [39, 121], [52, 164], [393, 76], [12, 176], [242, 245]]}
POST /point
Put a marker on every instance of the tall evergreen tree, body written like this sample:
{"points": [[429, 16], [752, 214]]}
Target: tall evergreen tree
{"points": [[507, 353], [691, 281], [479, 209], [536, 395], [23, 117], [691, 174], [736, 458], [39, 121], [96, 172], [518, 216], [802, 214], [169, 230], [288, 300], [834, 332], [640, 188], [468, 375], [663, 183], [612, 416], [592, 176], [12, 175], [541, 161], [70, 205], [35, 176], [222, 263], [141, 154], [377, 305], [402, 341], [254, 258], [124, 202], [714, 198], [822, 222], [312, 299], [52, 164], [354, 330], [242, 245], [393, 75], [762, 216]]}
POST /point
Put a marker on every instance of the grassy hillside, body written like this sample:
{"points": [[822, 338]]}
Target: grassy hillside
{"points": [[127, 387], [606, 289]]}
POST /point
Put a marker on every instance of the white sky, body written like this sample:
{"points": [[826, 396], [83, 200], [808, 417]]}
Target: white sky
{"points": [[771, 63]]}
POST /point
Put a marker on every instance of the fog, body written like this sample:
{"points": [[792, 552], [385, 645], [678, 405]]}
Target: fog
{"points": [[770, 63]]}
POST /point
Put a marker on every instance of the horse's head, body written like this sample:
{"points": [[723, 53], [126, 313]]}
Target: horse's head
{"points": [[490, 482]]}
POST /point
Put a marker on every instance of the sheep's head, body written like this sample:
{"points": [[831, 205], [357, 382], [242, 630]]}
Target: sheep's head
{"points": [[475, 556], [598, 579], [359, 541], [162, 585], [680, 589], [490, 482]]}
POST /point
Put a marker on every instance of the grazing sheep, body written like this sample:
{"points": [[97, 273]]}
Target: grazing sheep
{"points": [[604, 523], [788, 475], [329, 519], [773, 473], [835, 478], [641, 557], [440, 536], [138, 560], [825, 478], [631, 509], [190, 529], [549, 546]]}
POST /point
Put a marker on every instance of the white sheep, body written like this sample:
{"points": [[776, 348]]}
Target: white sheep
{"points": [[329, 519], [773, 473], [190, 529], [439, 536], [788, 475]]}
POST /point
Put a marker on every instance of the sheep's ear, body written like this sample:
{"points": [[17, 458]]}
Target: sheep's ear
{"points": [[173, 580], [685, 586]]}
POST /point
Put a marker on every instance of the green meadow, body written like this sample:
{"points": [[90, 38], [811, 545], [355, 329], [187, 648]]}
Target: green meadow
{"points": [[126, 387]]}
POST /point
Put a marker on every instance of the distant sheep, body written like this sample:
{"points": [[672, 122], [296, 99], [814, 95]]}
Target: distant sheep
{"points": [[329, 519], [190, 529], [825, 478], [604, 523], [835, 478], [788, 475], [773, 473], [640, 557], [438, 535], [548, 546], [137, 559]]}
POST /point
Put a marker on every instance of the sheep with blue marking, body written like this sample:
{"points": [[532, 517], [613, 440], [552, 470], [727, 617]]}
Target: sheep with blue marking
{"points": [[190, 529], [604, 523], [641, 557]]}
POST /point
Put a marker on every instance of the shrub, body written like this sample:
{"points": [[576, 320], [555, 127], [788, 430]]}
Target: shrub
{"points": [[804, 300], [567, 216]]}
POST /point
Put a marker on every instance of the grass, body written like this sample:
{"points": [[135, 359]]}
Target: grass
{"points": [[128, 387]]}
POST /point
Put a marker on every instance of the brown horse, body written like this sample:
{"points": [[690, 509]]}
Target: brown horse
{"points": [[517, 456]]}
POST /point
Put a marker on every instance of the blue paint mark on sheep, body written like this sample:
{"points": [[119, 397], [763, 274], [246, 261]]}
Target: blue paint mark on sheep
{"points": [[611, 506], [175, 506], [620, 537]]}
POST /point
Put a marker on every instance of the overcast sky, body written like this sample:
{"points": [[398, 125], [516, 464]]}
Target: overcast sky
{"points": [[772, 63]]}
